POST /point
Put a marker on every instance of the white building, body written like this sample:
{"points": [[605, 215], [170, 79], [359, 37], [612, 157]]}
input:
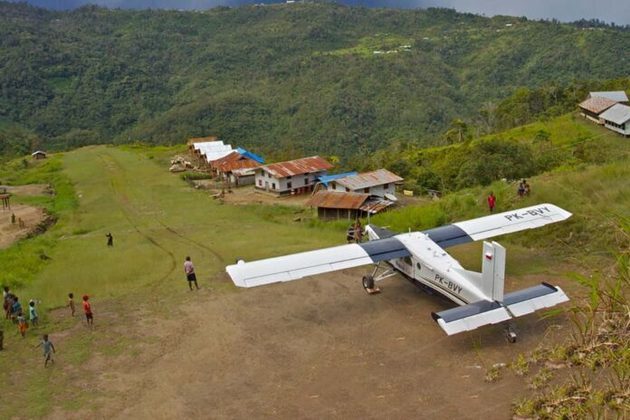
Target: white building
{"points": [[617, 118], [291, 177], [379, 183]]}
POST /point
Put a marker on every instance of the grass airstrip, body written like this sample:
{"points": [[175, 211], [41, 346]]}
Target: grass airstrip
{"points": [[157, 219]]}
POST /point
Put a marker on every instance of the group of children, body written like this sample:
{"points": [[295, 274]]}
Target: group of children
{"points": [[14, 312]]}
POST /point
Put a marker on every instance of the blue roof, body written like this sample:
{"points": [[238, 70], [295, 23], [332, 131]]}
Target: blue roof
{"points": [[250, 155], [325, 179]]}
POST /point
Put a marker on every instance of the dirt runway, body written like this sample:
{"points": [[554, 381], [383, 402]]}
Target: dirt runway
{"points": [[317, 348]]}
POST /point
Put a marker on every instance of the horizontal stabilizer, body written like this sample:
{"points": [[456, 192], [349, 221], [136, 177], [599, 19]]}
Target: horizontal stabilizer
{"points": [[530, 300], [296, 266], [471, 316], [497, 224], [515, 304]]}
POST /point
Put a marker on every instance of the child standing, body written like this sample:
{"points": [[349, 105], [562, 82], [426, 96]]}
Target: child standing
{"points": [[49, 349], [22, 325], [87, 308], [32, 313], [71, 303]]}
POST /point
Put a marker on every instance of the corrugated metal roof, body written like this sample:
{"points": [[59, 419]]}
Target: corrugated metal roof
{"points": [[597, 104], [618, 114], [325, 179], [250, 155], [337, 200], [375, 205], [297, 167], [369, 179], [234, 161], [614, 95], [201, 145]]}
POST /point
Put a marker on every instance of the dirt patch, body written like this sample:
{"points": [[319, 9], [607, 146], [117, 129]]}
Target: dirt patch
{"points": [[28, 190], [250, 195], [318, 348], [34, 221]]}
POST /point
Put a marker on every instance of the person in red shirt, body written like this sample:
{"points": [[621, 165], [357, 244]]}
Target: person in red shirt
{"points": [[89, 317], [492, 200]]}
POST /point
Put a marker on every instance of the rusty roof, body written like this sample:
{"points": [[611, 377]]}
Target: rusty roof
{"points": [[369, 179], [337, 200], [234, 161], [297, 167], [375, 205], [597, 104]]}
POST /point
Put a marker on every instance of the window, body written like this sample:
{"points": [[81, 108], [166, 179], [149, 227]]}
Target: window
{"points": [[386, 186], [306, 180], [273, 185], [366, 190], [418, 266], [347, 189], [407, 260], [289, 185], [260, 182]]}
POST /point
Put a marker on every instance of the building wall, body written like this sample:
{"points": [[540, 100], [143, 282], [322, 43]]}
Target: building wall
{"points": [[377, 190], [623, 129], [298, 183]]}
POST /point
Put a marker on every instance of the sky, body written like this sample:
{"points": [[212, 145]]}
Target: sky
{"points": [[610, 11]]}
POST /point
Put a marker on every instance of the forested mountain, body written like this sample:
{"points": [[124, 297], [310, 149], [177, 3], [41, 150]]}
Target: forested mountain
{"points": [[285, 79]]}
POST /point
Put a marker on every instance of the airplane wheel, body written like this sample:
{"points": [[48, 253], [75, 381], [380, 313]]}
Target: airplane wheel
{"points": [[368, 283]]}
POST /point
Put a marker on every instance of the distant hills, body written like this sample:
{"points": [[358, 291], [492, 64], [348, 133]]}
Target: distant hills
{"points": [[281, 79]]}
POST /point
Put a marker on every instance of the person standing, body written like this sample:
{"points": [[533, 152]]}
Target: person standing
{"points": [[110, 239], [71, 303], [22, 325], [87, 308], [32, 313], [492, 201], [189, 269], [358, 231]]}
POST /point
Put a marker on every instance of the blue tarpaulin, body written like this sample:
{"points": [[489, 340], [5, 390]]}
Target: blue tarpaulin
{"points": [[325, 179], [250, 155]]}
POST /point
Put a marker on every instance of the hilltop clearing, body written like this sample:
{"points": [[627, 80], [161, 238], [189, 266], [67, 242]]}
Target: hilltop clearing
{"points": [[285, 79]]}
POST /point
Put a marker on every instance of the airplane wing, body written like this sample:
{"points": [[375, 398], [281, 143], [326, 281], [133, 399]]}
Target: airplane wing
{"points": [[296, 266], [515, 304], [497, 224]]}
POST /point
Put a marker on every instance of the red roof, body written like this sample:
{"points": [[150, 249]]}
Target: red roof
{"points": [[597, 104], [298, 167], [337, 200], [234, 161]]}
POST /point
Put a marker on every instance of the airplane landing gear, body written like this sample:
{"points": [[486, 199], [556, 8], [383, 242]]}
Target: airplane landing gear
{"points": [[510, 333], [369, 281]]}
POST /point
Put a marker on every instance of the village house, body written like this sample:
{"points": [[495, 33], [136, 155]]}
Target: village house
{"points": [[592, 107], [346, 205], [617, 118], [236, 169], [292, 177], [39, 155], [380, 183]]}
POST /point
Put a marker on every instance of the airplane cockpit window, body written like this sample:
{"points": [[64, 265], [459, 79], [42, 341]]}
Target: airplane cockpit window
{"points": [[407, 260]]}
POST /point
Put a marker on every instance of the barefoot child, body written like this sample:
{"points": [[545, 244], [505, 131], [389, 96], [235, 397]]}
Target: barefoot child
{"points": [[71, 303], [49, 349], [22, 325], [89, 317], [32, 313]]}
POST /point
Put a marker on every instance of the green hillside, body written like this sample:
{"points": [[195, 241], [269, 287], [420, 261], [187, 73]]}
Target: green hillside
{"points": [[283, 79]]}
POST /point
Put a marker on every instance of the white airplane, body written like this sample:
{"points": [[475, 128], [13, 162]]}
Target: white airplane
{"points": [[421, 258]]}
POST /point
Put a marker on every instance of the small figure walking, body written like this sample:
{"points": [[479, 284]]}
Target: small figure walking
{"points": [[87, 308], [492, 201], [49, 349], [110, 239], [189, 269], [22, 325], [71, 303], [7, 301], [358, 231], [32, 313]]}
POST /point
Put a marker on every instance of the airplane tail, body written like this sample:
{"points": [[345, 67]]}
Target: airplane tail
{"points": [[493, 270]]}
